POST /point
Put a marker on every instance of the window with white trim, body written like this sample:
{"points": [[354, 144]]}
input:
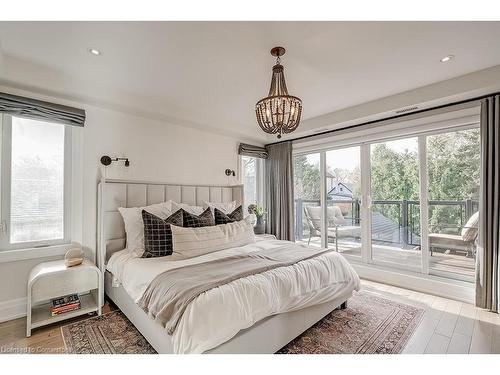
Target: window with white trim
{"points": [[252, 169], [35, 183]]}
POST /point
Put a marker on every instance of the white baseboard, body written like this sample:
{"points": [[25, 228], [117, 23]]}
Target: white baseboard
{"points": [[438, 286], [12, 309]]}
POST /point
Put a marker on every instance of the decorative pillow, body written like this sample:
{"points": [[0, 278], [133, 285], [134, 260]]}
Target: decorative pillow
{"points": [[206, 219], [134, 227], [158, 235], [469, 231], [224, 207], [195, 210], [193, 242], [222, 218]]}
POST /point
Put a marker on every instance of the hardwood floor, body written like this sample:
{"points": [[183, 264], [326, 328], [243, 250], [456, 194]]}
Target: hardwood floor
{"points": [[447, 326], [44, 340]]}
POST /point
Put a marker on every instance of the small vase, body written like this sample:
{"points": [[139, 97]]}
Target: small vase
{"points": [[260, 226]]}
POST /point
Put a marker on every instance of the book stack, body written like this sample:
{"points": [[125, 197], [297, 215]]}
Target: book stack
{"points": [[65, 304]]}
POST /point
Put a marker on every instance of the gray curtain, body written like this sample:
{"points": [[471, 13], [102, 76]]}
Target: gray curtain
{"points": [[251, 150], [487, 266], [279, 191], [40, 110]]}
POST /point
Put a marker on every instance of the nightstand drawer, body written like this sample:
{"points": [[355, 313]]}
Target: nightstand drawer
{"points": [[52, 286]]}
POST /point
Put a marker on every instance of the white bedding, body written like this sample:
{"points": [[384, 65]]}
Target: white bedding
{"points": [[241, 303]]}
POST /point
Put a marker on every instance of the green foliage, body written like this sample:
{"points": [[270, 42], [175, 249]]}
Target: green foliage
{"points": [[306, 179], [394, 177], [257, 210], [453, 165]]}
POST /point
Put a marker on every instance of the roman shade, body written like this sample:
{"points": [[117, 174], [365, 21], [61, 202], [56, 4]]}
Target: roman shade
{"points": [[253, 151], [39, 110]]}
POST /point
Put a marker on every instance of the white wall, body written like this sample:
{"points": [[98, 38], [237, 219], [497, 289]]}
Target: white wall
{"points": [[158, 151]]}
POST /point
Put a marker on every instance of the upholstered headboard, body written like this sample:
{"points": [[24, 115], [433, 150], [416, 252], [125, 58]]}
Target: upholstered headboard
{"points": [[120, 193]]}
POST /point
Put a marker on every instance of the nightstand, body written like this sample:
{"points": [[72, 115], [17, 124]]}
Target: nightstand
{"points": [[50, 280]]}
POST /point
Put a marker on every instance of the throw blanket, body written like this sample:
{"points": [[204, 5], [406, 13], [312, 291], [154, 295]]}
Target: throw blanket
{"points": [[169, 294]]}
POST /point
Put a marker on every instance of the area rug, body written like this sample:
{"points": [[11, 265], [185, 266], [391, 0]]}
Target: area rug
{"points": [[369, 325], [110, 333]]}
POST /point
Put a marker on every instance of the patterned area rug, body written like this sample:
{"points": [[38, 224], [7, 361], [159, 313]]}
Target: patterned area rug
{"points": [[110, 333], [369, 325]]}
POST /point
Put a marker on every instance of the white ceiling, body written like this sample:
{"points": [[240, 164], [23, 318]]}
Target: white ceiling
{"points": [[212, 73]]}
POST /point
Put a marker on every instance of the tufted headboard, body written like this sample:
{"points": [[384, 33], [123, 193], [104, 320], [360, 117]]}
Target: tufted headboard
{"points": [[120, 193]]}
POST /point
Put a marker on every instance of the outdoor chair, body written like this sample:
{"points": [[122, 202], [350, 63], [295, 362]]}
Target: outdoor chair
{"points": [[336, 224], [465, 241]]}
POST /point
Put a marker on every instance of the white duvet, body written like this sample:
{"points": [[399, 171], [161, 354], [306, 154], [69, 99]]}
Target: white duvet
{"points": [[217, 315]]}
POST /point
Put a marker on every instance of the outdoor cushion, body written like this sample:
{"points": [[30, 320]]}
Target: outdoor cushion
{"points": [[447, 240], [469, 231]]}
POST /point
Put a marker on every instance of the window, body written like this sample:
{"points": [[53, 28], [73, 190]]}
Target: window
{"points": [[35, 175], [307, 186], [252, 179], [343, 199], [406, 199]]}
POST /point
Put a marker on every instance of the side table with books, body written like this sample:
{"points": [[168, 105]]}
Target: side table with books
{"points": [[57, 292]]}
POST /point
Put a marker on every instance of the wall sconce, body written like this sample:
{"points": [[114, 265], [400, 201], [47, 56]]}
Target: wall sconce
{"points": [[230, 172], [107, 160]]}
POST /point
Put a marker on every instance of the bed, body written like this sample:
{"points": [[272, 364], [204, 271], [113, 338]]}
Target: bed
{"points": [[259, 313]]}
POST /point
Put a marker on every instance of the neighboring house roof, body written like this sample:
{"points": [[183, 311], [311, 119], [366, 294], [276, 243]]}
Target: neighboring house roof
{"points": [[343, 190]]}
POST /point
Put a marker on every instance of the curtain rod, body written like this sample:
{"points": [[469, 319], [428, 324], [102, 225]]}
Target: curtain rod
{"points": [[386, 118]]}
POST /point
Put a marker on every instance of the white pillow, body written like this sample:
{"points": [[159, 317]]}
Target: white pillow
{"points": [[193, 242], [227, 208], [195, 210], [134, 226]]}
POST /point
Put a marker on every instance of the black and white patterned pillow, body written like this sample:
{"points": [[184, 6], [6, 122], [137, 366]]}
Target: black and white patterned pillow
{"points": [[158, 235], [222, 218], [206, 219]]}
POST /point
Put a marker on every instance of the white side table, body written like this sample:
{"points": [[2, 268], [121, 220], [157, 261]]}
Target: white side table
{"points": [[50, 280]]}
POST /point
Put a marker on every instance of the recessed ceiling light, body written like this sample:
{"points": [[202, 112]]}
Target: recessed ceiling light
{"points": [[447, 58], [94, 51]]}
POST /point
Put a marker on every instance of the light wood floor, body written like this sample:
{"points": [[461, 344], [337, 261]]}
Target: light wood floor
{"points": [[448, 326], [44, 340]]}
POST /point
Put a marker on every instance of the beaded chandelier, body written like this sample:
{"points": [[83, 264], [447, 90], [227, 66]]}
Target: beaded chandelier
{"points": [[278, 113]]}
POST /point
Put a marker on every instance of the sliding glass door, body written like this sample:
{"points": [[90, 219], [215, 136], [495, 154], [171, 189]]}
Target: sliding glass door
{"points": [[343, 200], [307, 191], [453, 167], [395, 206], [407, 203]]}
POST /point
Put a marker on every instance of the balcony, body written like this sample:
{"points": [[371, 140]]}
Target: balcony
{"points": [[395, 233]]}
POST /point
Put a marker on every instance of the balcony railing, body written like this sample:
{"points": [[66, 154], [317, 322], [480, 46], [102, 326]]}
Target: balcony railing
{"points": [[403, 214]]}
